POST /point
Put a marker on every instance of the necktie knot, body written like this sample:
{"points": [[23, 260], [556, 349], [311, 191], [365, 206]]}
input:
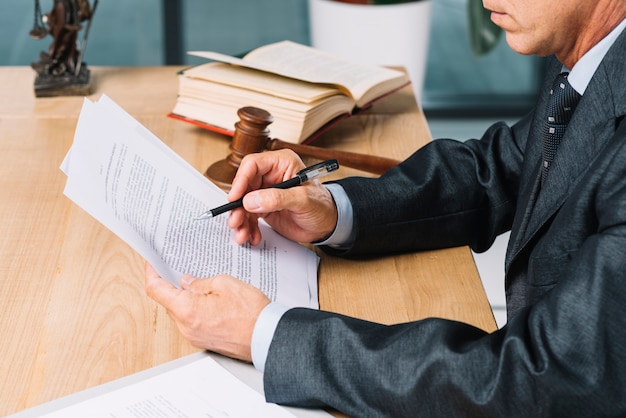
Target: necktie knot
{"points": [[561, 105], [563, 101]]}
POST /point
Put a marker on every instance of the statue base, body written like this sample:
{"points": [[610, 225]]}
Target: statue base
{"points": [[51, 85]]}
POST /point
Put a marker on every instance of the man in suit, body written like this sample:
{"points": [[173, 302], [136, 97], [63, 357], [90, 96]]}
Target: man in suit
{"points": [[563, 349]]}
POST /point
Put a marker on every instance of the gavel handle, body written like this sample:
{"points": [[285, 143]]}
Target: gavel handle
{"points": [[370, 163]]}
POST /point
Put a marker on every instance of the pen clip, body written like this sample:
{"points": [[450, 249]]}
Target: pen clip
{"points": [[318, 170]]}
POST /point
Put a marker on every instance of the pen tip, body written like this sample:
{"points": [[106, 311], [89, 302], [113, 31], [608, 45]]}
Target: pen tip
{"points": [[204, 216]]}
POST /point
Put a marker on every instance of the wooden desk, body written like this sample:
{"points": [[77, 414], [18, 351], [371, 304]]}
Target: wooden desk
{"points": [[73, 311]]}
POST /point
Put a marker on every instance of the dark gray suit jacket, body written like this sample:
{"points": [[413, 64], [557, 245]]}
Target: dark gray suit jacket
{"points": [[563, 350]]}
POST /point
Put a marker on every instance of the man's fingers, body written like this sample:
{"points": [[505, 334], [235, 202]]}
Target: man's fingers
{"points": [[274, 200], [160, 289], [263, 170]]}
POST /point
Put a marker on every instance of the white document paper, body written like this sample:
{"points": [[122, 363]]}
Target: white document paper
{"points": [[203, 384], [130, 181], [202, 388]]}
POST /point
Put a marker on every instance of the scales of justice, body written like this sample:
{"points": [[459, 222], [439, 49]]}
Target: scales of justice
{"points": [[61, 70]]}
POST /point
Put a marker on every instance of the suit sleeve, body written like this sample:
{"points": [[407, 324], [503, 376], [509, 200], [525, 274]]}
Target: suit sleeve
{"points": [[448, 193], [564, 355]]}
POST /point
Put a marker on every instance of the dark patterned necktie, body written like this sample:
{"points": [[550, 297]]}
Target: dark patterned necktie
{"points": [[561, 106]]}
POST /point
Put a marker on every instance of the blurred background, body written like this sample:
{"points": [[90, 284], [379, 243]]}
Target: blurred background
{"points": [[462, 94], [158, 32]]}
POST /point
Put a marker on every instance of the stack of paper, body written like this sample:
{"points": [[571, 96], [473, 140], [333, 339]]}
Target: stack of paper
{"points": [[130, 181]]}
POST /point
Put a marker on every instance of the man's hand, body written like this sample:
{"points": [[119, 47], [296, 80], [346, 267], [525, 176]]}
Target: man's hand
{"points": [[217, 314], [305, 214]]}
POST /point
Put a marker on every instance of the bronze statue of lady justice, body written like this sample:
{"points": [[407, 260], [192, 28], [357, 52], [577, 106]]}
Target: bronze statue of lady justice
{"points": [[61, 70]]}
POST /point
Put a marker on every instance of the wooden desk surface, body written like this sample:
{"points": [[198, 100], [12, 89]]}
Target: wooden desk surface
{"points": [[73, 311]]}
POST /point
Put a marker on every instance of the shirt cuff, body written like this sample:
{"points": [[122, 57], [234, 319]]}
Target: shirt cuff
{"points": [[342, 236], [263, 333]]}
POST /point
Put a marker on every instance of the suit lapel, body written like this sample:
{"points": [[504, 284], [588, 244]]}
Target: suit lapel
{"points": [[576, 151], [530, 178], [591, 126]]}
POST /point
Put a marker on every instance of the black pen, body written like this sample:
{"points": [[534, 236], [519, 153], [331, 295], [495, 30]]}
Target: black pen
{"points": [[313, 172]]}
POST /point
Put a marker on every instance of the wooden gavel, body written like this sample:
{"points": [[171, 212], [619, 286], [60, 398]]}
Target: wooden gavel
{"points": [[252, 135]]}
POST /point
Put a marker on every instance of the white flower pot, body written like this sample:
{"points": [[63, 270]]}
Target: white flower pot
{"points": [[392, 35]]}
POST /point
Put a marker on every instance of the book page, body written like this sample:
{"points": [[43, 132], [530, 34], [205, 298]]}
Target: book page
{"points": [[217, 104], [145, 193], [261, 81], [309, 64]]}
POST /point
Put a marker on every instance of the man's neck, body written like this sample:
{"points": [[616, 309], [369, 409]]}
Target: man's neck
{"points": [[585, 68], [604, 20]]}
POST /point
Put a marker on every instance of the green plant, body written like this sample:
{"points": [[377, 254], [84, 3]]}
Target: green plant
{"points": [[483, 33]]}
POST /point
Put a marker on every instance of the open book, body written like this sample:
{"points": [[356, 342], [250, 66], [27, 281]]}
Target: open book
{"points": [[305, 89], [131, 182]]}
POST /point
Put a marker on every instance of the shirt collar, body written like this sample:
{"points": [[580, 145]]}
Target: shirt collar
{"points": [[583, 71]]}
